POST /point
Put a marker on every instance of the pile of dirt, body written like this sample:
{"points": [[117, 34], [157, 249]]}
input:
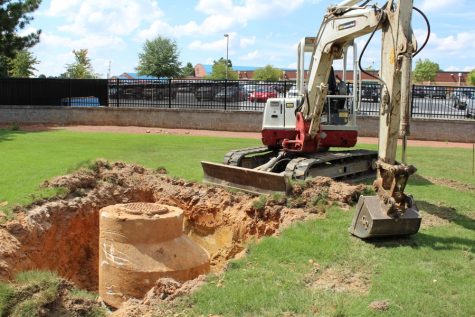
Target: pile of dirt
{"points": [[160, 298], [61, 234]]}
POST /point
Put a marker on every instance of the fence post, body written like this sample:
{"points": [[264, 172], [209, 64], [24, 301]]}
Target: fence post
{"points": [[69, 98], [225, 93], [117, 92], [170, 93], [285, 88]]}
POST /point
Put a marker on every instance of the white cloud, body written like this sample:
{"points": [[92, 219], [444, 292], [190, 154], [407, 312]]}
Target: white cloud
{"points": [[292, 65], [162, 28], [208, 46], [458, 69], [223, 14], [217, 45], [251, 56], [434, 5], [454, 44], [55, 51], [247, 41], [90, 42], [117, 17]]}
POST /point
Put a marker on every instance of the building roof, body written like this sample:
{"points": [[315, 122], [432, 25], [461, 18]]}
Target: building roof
{"points": [[209, 68], [134, 76]]}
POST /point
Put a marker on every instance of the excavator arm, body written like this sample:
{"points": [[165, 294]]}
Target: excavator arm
{"points": [[392, 212]]}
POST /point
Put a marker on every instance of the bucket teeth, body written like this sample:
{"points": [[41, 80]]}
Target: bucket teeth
{"points": [[371, 220]]}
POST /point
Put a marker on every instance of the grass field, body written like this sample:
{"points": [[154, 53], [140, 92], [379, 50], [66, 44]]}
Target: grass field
{"points": [[429, 274]]}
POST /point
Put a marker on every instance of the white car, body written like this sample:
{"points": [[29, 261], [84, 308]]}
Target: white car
{"points": [[470, 109], [292, 93], [459, 99]]}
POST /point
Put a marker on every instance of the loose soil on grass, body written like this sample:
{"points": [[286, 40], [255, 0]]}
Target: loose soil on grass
{"points": [[339, 279], [451, 184], [61, 234]]}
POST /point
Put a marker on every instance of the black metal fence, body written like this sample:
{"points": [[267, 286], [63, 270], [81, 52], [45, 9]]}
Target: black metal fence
{"points": [[53, 92], [427, 101], [196, 94]]}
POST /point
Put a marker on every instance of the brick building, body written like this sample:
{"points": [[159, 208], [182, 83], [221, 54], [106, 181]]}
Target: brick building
{"points": [[245, 72]]}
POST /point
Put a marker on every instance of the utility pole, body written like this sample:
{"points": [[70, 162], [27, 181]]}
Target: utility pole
{"points": [[109, 70], [227, 52]]}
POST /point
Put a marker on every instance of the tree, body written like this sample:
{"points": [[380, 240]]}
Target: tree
{"points": [[219, 70], [471, 78], [188, 70], [13, 18], [81, 68], [268, 73], [425, 71], [159, 58], [370, 68], [23, 65]]}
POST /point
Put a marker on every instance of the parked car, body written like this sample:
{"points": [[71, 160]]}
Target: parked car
{"points": [[249, 88], [292, 93], [262, 94], [438, 92], [370, 92], [419, 92], [130, 92], [232, 94], [279, 87], [159, 92], [459, 99], [207, 92], [470, 110]]}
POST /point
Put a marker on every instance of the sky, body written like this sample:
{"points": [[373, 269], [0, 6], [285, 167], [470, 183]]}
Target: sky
{"points": [[260, 32]]}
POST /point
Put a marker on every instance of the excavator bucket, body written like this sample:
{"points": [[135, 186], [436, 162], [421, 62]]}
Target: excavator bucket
{"points": [[248, 180], [371, 220]]}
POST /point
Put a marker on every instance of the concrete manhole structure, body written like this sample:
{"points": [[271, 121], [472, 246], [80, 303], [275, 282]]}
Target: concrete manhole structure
{"points": [[140, 243]]}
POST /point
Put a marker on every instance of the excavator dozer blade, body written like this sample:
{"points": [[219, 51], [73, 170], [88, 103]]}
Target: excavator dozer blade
{"points": [[248, 180], [371, 220]]}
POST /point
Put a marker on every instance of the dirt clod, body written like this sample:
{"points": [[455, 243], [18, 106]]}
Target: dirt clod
{"points": [[379, 305]]}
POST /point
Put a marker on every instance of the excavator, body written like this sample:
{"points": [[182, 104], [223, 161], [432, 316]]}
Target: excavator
{"points": [[298, 132]]}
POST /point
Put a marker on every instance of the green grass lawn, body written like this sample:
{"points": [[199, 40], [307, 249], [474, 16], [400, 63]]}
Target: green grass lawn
{"points": [[429, 274]]}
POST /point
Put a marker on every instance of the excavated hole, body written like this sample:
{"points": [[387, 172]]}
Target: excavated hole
{"points": [[69, 243], [62, 235]]}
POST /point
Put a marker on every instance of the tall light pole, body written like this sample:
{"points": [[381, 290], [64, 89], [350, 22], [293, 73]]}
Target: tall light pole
{"points": [[227, 52]]}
